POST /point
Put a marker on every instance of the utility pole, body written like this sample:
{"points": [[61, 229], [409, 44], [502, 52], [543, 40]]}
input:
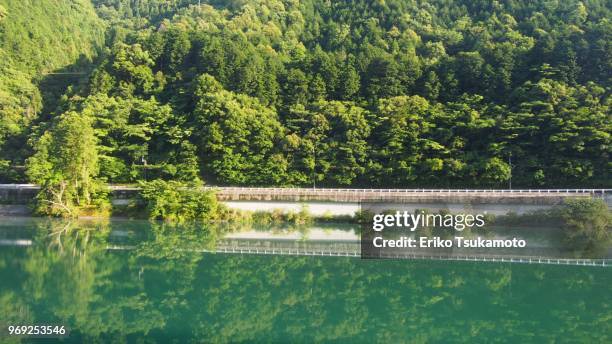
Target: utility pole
{"points": [[144, 164], [314, 167], [510, 164]]}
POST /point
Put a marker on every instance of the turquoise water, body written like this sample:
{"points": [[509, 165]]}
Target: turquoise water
{"points": [[133, 281]]}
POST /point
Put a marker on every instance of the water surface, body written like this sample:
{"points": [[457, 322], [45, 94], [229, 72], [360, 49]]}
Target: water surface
{"points": [[156, 285]]}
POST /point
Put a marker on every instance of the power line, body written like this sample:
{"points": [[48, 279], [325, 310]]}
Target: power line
{"points": [[65, 73]]}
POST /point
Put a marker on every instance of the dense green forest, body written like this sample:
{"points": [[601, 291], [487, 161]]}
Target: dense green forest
{"points": [[381, 93], [39, 40]]}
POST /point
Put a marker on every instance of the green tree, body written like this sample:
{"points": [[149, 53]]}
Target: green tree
{"points": [[529, 80], [333, 141], [237, 136], [65, 164], [400, 138], [350, 83], [178, 202]]}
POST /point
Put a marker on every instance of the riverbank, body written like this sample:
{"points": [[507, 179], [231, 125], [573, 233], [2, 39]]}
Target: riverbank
{"points": [[14, 198], [171, 201], [23, 193]]}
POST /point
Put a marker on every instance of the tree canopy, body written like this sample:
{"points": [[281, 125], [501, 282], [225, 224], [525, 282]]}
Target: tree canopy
{"points": [[281, 92]]}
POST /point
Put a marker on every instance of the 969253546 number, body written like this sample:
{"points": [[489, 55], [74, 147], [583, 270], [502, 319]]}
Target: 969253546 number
{"points": [[47, 331]]}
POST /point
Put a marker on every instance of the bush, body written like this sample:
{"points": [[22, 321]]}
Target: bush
{"points": [[176, 201], [278, 217], [58, 199]]}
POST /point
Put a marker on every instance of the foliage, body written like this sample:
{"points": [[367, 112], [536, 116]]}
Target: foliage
{"points": [[39, 42], [280, 217], [587, 223], [237, 136], [361, 93], [45, 35], [178, 202], [65, 164]]}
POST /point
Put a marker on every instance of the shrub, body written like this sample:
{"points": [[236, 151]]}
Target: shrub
{"points": [[176, 201]]}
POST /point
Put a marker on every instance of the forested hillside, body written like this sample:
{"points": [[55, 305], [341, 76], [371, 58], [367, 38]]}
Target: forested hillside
{"points": [[387, 93], [38, 38]]}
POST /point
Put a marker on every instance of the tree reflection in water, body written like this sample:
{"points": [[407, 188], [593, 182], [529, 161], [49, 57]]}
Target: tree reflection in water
{"points": [[161, 287]]}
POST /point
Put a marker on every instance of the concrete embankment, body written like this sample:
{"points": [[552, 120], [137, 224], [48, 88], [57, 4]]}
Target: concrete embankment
{"points": [[17, 193], [14, 197], [423, 196]]}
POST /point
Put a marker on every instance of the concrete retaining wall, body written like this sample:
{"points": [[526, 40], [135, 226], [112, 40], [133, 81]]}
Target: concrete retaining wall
{"points": [[17, 193], [23, 194]]}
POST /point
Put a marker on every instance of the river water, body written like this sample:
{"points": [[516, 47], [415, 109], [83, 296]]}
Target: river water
{"points": [[350, 208], [135, 281]]}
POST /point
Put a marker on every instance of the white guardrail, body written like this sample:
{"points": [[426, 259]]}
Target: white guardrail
{"points": [[356, 253], [18, 186], [290, 190], [330, 190]]}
